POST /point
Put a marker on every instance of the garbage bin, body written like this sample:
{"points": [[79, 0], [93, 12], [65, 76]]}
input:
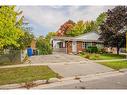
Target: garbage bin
{"points": [[29, 51]]}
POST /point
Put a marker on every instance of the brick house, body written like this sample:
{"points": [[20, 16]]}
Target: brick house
{"points": [[74, 45]]}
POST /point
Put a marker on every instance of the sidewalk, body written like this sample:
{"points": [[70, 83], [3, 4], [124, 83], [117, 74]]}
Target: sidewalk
{"points": [[41, 64], [110, 60]]}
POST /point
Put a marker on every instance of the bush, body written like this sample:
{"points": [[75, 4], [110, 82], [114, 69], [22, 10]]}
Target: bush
{"points": [[95, 56], [10, 57], [82, 53], [44, 47], [92, 49], [87, 56]]}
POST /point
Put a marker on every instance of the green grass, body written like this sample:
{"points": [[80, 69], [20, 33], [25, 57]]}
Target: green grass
{"points": [[8, 63], [115, 64], [25, 74], [94, 56]]}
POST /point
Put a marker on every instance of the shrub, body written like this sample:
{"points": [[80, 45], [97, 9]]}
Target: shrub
{"points": [[44, 47], [92, 49], [87, 56], [102, 50], [95, 56], [81, 53]]}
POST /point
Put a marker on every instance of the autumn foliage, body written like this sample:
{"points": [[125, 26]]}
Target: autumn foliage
{"points": [[65, 28]]}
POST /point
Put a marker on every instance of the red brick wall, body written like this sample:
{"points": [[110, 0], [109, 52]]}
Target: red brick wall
{"points": [[79, 46], [69, 47]]}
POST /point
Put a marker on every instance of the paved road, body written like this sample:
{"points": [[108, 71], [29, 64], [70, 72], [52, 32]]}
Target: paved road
{"points": [[113, 82]]}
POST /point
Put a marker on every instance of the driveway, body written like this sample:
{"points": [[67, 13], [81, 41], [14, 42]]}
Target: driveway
{"points": [[79, 69], [70, 65], [56, 58]]}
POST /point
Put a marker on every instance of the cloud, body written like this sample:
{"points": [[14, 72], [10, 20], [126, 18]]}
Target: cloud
{"points": [[44, 16], [51, 17]]}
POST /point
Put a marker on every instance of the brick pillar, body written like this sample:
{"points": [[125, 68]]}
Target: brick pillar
{"points": [[69, 47], [79, 46]]}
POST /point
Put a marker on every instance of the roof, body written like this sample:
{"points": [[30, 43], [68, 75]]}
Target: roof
{"points": [[87, 37]]}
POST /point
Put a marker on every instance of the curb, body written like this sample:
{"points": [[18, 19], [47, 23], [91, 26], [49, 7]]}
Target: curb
{"points": [[23, 85], [52, 82], [123, 70]]}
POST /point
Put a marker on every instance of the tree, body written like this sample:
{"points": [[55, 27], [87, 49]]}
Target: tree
{"points": [[77, 29], [50, 35], [43, 46], [25, 40], [65, 28], [90, 26], [100, 19], [112, 30], [10, 26]]}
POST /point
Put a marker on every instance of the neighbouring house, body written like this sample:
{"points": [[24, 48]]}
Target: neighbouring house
{"points": [[33, 46], [74, 45], [34, 50]]}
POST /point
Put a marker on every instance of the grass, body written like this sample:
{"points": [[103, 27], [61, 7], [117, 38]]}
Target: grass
{"points": [[25, 74], [104, 56], [115, 64], [8, 63]]}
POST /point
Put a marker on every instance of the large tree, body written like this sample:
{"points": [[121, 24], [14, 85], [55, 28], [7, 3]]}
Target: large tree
{"points": [[10, 26], [90, 26], [100, 19], [112, 30], [77, 29], [65, 28]]}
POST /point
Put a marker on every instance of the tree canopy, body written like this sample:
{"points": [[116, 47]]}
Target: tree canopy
{"points": [[10, 26], [43, 45], [65, 28], [14, 31], [71, 28], [101, 18], [112, 30], [50, 35], [77, 29]]}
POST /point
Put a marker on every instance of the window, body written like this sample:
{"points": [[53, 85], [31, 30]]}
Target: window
{"points": [[60, 44], [83, 45], [87, 44]]}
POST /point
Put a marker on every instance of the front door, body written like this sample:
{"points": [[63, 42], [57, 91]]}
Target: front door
{"points": [[74, 46]]}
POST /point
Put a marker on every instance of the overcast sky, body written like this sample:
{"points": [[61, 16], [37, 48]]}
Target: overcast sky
{"points": [[46, 19]]}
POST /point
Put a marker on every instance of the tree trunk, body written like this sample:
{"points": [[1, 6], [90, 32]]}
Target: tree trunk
{"points": [[118, 50]]}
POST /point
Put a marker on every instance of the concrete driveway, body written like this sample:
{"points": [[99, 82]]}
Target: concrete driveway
{"points": [[56, 58], [70, 65], [79, 69]]}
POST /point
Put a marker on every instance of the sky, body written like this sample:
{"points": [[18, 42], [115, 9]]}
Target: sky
{"points": [[44, 19]]}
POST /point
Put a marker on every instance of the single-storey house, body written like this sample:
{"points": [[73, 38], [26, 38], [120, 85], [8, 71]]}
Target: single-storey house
{"points": [[74, 45]]}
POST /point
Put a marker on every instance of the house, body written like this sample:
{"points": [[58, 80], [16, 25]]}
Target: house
{"points": [[74, 45]]}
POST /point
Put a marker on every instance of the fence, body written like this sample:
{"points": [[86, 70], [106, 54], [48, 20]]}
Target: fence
{"points": [[10, 56]]}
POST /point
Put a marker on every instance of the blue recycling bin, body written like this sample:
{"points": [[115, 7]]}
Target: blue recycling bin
{"points": [[29, 52]]}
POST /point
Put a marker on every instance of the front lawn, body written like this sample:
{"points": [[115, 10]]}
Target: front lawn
{"points": [[8, 63], [25, 74], [115, 64], [105, 56]]}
